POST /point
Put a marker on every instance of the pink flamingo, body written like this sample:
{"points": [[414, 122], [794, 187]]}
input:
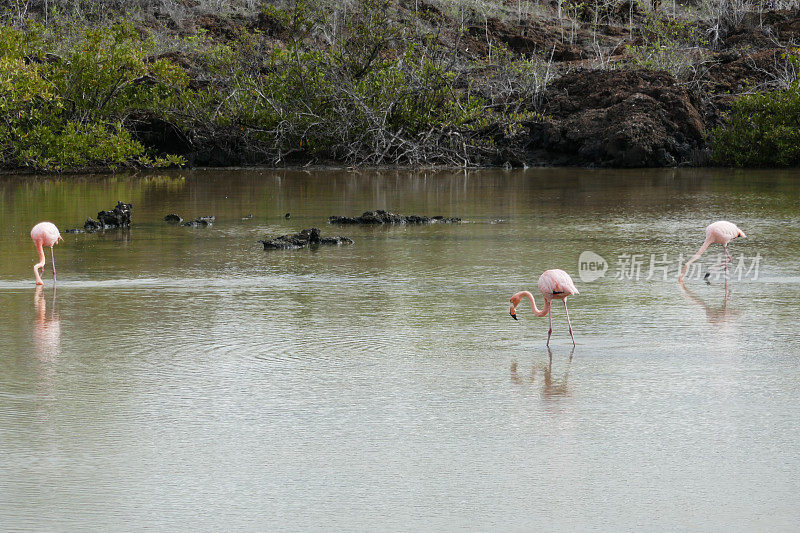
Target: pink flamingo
{"points": [[721, 232], [553, 283], [44, 234]]}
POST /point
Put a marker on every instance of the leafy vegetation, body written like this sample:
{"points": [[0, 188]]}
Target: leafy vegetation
{"points": [[668, 43], [372, 92], [114, 84], [371, 95], [67, 111], [762, 129]]}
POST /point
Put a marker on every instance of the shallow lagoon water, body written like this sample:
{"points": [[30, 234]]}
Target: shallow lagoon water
{"points": [[185, 378]]}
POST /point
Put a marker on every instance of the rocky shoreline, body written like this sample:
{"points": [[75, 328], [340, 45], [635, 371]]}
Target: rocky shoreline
{"points": [[619, 118], [623, 117], [614, 85]]}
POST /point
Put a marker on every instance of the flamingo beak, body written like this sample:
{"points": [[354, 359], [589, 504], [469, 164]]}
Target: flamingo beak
{"points": [[513, 314]]}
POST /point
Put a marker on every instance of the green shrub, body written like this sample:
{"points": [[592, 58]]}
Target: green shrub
{"points": [[65, 112], [761, 129], [369, 97], [368, 88]]}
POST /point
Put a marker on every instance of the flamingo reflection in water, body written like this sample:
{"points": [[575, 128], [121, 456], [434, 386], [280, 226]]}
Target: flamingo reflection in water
{"points": [[46, 329], [551, 388], [714, 315]]}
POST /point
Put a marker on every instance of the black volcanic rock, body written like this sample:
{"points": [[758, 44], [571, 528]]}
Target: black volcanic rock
{"points": [[172, 218], [91, 225], [119, 217], [201, 222], [305, 238], [618, 118], [380, 216]]}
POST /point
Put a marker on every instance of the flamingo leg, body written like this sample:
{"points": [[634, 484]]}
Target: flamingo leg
{"points": [[568, 322], [53, 259], [728, 259], [550, 331]]}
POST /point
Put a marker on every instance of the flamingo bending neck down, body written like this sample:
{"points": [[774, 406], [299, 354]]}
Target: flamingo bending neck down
{"points": [[554, 284], [721, 232], [44, 234]]}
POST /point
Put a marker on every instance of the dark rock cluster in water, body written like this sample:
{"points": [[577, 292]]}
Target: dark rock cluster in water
{"points": [[384, 217], [119, 217], [201, 222], [305, 238]]}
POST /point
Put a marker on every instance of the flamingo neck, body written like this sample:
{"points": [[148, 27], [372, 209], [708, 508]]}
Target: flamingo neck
{"points": [[40, 264], [535, 309], [694, 258]]}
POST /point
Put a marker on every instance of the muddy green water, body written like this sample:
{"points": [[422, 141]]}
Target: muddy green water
{"points": [[183, 378]]}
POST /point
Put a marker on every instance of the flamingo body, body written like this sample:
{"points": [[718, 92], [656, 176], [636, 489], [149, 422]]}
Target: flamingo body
{"points": [[554, 284], [44, 234], [721, 232]]}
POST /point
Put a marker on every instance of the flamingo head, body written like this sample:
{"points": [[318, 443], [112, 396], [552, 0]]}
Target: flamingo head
{"points": [[514, 303], [741, 234]]}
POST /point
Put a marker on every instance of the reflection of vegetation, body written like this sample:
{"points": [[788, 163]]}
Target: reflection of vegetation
{"points": [[164, 183], [72, 200], [68, 202], [75, 199]]}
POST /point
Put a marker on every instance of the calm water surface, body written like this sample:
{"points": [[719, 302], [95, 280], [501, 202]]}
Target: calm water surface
{"points": [[184, 378]]}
